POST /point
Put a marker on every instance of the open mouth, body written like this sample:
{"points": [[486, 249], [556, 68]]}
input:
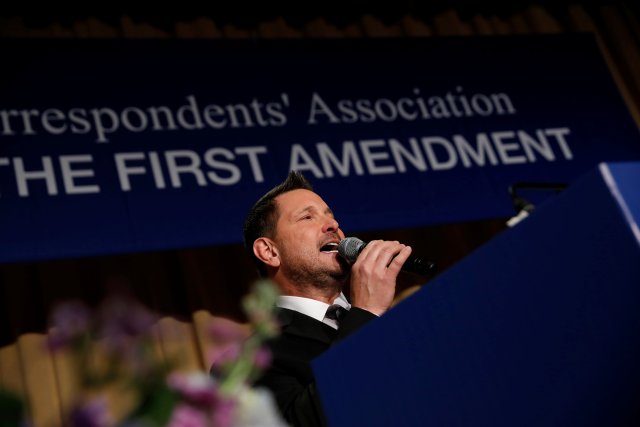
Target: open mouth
{"points": [[329, 248]]}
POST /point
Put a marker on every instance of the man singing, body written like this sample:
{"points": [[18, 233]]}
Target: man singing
{"points": [[293, 237]]}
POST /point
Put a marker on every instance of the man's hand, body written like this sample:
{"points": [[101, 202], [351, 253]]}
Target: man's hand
{"points": [[373, 275]]}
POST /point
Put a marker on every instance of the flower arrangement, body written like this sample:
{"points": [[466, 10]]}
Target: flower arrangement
{"points": [[113, 355]]}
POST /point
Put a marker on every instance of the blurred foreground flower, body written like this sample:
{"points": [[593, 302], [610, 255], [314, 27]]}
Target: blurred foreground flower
{"points": [[113, 352]]}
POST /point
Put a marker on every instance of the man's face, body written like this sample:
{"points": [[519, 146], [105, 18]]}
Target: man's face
{"points": [[307, 237]]}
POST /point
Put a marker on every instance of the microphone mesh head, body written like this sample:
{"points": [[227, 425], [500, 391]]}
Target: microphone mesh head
{"points": [[350, 248]]}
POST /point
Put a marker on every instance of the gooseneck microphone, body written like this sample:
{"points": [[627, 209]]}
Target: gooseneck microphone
{"points": [[350, 247]]}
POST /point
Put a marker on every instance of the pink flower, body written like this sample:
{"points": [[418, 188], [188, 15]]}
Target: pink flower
{"points": [[187, 416]]}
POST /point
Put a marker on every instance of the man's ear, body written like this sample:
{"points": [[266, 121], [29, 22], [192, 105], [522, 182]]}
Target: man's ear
{"points": [[266, 251]]}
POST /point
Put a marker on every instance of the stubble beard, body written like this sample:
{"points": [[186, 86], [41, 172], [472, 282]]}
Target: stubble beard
{"points": [[317, 278]]}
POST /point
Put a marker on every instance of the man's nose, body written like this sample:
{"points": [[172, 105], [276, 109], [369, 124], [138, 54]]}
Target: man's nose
{"points": [[330, 225]]}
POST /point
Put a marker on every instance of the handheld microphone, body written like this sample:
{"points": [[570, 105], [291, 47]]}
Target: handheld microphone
{"points": [[350, 248]]}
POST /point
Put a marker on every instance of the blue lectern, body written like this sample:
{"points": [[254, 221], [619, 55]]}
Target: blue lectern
{"points": [[539, 327]]}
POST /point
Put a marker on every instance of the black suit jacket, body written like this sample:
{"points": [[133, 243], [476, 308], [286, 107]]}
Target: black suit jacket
{"points": [[290, 377]]}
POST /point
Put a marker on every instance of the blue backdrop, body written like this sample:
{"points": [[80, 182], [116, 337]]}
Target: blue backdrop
{"points": [[113, 146]]}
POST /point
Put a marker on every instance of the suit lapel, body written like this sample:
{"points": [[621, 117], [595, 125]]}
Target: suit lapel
{"points": [[298, 324]]}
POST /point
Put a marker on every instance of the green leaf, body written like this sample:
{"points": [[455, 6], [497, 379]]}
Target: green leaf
{"points": [[157, 406]]}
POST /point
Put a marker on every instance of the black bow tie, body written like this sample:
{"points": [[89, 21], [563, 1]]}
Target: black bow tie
{"points": [[335, 312]]}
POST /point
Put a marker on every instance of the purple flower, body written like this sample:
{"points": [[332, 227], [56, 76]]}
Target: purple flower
{"points": [[125, 316], [224, 331], [93, 413], [221, 355], [262, 358], [69, 321], [224, 412], [123, 320], [198, 388], [201, 394], [187, 416]]}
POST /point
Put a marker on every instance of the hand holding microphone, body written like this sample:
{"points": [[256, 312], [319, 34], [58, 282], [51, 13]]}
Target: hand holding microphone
{"points": [[350, 247], [375, 268]]}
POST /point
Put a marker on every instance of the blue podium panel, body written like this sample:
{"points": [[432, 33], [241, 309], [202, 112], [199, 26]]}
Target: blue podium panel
{"points": [[539, 327]]}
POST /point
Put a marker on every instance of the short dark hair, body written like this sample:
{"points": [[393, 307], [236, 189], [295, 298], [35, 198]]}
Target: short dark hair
{"points": [[262, 218]]}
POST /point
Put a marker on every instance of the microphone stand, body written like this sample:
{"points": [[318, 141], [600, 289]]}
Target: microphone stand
{"points": [[523, 206]]}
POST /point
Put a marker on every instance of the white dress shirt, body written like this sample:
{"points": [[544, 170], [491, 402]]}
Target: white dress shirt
{"points": [[312, 308]]}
